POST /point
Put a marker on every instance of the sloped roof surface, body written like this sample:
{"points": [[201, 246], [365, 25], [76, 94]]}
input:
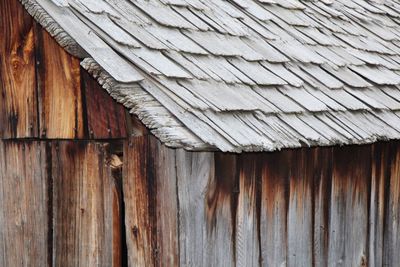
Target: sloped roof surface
{"points": [[241, 75]]}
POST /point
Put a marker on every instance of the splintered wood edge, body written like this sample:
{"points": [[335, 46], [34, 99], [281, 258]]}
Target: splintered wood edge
{"points": [[53, 28]]}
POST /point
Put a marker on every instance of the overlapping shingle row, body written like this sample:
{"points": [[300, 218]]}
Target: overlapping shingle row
{"points": [[244, 75]]}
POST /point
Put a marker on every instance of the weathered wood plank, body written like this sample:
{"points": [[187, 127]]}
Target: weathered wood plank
{"points": [[59, 90], [151, 203], [23, 204], [379, 178], [299, 218], [247, 216], [348, 225], [321, 201], [105, 117], [166, 204], [206, 208], [18, 105], [193, 174], [274, 204], [391, 246], [84, 202], [138, 191]]}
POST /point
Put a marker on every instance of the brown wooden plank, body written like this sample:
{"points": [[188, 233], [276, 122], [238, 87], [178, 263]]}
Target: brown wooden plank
{"points": [[379, 179], [139, 196], [151, 203], [322, 191], [274, 203], [84, 202], [348, 225], [206, 185], [105, 117], [247, 215], [23, 204], [18, 105], [59, 90], [391, 246]]}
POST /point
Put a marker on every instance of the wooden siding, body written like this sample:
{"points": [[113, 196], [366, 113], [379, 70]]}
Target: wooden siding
{"points": [[60, 205], [150, 203], [72, 203], [306, 207], [24, 217], [44, 93], [59, 90], [18, 104], [85, 205]]}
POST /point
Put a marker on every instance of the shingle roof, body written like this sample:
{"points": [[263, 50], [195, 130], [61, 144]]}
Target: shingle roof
{"points": [[241, 75]]}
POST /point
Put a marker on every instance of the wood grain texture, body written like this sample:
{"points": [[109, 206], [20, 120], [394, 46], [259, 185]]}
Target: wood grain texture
{"points": [[322, 177], [23, 204], [247, 215], [151, 208], [380, 175], [139, 202], [391, 247], [166, 204], [206, 204], [300, 213], [84, 203], [105, 117], [193, 174], [274, 203], [59, 90], [18, 104], [348, 225]]}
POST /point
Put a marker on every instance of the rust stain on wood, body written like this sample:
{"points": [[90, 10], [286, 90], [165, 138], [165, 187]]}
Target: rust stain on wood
{"points": [[274, 206], [348, 226], [221, 189], [247, 221]]}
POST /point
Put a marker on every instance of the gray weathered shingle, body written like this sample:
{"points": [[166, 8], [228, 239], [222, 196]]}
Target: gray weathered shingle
{"points": [[241, 75]]}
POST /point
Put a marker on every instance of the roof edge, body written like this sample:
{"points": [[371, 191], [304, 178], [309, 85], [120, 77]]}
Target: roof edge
{"points": [[53, 28], [133, 97]]}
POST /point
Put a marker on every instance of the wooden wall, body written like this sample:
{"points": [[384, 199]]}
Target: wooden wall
{"points": [[76, 189], [44, 93], [88, 203], [307, 207]]}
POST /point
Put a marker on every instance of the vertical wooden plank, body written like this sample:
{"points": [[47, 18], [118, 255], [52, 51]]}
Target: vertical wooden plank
{"points": [[194, 171], [379, 176], [138, 186], [83, 202], [166, 204], [348, 226], [391, 246], [300, 212], [18, 104], [247, 223], [59, 90], [206, 182], [274, 202], [151, 208], [322, 191], [23, 204], [105, 117]]}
